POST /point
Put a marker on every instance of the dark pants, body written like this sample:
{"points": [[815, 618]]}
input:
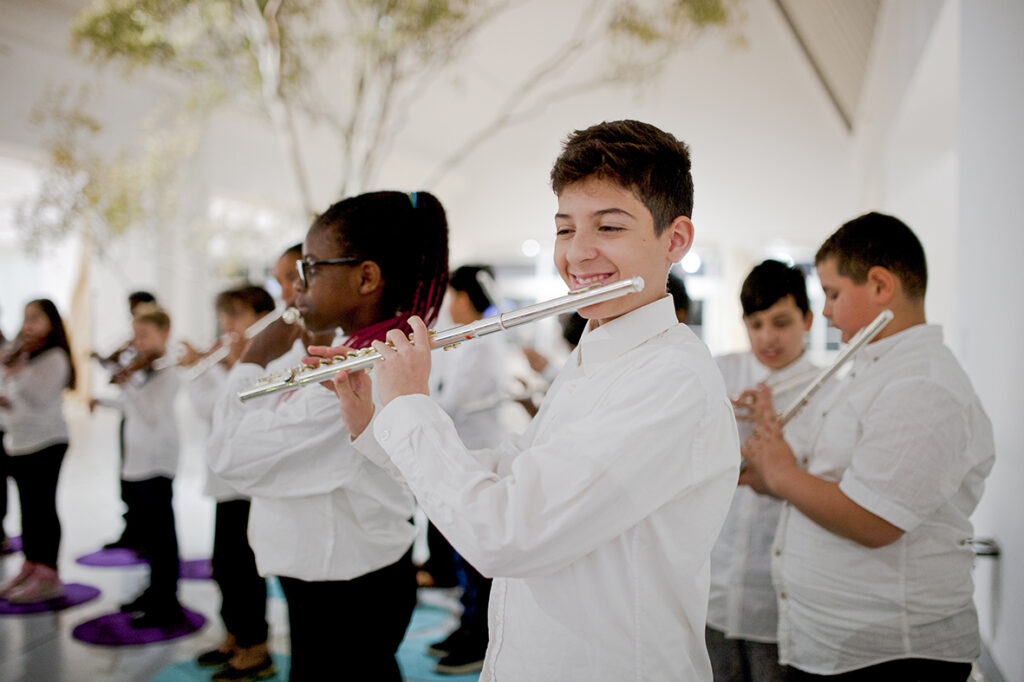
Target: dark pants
{"points": [[152, 501], [243, 591], [132, 535], [441, 562], [3, 487], [476, 591], [36, 476], [350, 629], [904, 670], [742, 660]]}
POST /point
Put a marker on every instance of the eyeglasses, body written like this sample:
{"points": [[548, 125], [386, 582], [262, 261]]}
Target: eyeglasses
{"points": [[307, 268]]}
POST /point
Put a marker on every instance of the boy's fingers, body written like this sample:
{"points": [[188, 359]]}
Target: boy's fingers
{"points": [[419, 331]]}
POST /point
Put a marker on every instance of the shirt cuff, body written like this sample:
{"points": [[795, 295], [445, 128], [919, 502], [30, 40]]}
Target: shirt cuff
{"points": [[394, 426], [878, 505], [366, 444]]}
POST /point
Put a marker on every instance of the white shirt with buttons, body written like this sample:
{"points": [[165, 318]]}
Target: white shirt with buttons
{"points": [[906, 437], [743, 603], [320, 510], [597, 523]]}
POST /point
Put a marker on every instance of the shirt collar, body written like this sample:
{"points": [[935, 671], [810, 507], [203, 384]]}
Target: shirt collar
{"points": [[911, 338], [614, 338]]}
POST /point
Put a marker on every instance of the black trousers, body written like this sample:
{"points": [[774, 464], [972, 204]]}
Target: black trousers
{"points": [[132, 535], [476, 592], [904, 670], [36, 476], [3, 487], [152, 501], [350, 629], [243, 591]]}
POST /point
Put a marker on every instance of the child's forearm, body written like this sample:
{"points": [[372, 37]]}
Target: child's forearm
{"points": [[824, 503]]}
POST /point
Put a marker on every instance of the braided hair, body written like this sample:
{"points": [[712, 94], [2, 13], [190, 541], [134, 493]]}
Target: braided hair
{"points": [[407, 236]]}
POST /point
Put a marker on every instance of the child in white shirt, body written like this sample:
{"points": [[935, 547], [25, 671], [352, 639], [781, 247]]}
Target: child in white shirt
{"points": [[872, 561], [597, 523]]}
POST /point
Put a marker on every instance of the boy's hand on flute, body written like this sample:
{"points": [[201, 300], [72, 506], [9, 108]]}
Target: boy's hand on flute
{"points": [[354, 389], [769, 457], [404, 367]]}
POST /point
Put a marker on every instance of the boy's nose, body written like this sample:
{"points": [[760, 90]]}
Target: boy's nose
{"points": [[581, 248]]}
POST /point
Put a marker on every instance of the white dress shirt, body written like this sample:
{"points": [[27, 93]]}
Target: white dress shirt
{"points": [[907, 439], [203, 392], [150, 424], [743, 603], [470, 383], [597, 523], [320, 510], [35, 419]]}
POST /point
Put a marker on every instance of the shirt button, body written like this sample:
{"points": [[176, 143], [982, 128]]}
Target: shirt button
{"points": [[782, 595], [384, 435], [778, 552]]}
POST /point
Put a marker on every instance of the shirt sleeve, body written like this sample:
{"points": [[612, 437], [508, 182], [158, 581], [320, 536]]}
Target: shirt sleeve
{"points": [[42, 380], [289, 445], [909, 458], [537, 510]]}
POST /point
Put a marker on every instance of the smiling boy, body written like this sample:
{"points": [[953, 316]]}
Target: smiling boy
{"points": [[597, 522]]}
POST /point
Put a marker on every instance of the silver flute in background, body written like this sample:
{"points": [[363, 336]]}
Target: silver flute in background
{"points": [[859, 339], [365, 357], [211, 359]]}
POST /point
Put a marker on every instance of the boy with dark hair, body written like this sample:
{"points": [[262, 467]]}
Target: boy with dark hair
{"points": [[597, 523], [742, 614], [149, 464], [872, 564]]}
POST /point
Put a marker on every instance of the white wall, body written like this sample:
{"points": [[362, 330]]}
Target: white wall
{"points": [[989, 244], [939, 147]]}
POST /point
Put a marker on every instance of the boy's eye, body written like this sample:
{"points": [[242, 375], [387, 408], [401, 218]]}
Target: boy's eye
{"points": [[611, 228], [562, 231]]}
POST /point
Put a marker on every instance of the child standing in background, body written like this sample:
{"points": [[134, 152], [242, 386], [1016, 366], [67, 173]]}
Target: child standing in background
{"points": [[742, 616], [150, 462], [37, 367]]}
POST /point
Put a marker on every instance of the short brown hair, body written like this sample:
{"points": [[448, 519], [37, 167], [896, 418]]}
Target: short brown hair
{"points": [[877, 239], [152, 314], [637, 156]]}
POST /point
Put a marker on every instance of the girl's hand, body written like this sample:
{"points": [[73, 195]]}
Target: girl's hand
{"points": [[271, 343], [354, 390], [404, 367], [5, 404]]}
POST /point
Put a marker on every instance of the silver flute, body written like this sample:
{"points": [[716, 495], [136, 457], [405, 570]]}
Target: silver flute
{"points": [[210, 360], [365, 357], [859, 340]]}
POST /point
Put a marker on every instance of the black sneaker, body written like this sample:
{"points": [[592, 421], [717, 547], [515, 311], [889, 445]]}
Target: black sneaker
{"points": [[158, 618], [214, 657], [461, 661], [445, 646]]}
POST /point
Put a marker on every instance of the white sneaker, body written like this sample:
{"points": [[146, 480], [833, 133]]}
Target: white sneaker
{"points": [[42, 585], [27, 569]]}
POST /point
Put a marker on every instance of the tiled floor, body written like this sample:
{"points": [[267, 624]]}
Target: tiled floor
{"points": [[39, 648]]}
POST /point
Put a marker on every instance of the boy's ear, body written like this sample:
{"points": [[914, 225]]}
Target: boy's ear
{"points": [[808, 321], [369, 276], [882, 283], [680, 235]]}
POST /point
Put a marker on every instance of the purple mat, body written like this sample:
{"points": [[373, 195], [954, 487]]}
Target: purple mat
{"points": [[74, 594], [110, 557], [197, 569], [113, 629], [193, 569], [13, 545]]}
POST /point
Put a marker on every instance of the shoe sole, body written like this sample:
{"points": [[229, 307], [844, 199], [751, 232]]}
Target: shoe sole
{"points": [[463, 669]]}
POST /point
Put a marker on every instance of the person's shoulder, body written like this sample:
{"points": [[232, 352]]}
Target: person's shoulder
{"points": [[677, 356]]}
